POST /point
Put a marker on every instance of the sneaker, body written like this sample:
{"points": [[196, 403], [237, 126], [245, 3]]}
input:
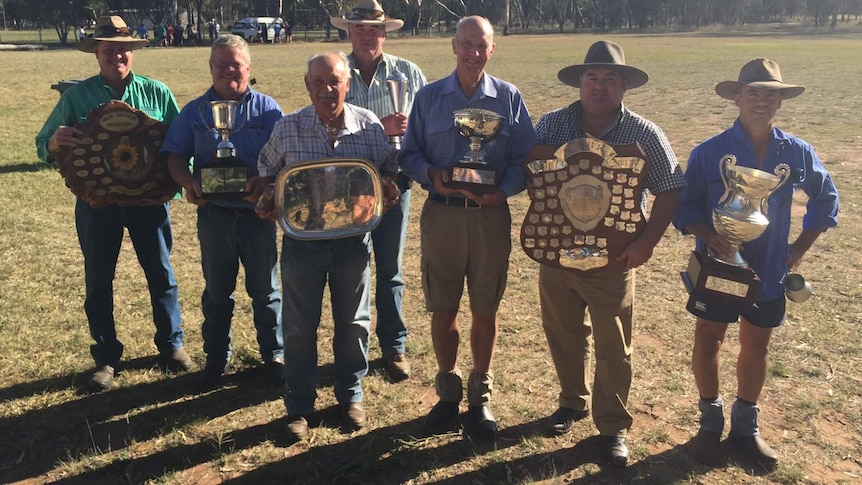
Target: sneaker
{"points": [[755, 448], [102, 378], [297, 426], [442, 418], [212, 374], [563, 419], [482, 423], [354, 416], [274, 372], [617, 451], [397, 367], [175, 361]]}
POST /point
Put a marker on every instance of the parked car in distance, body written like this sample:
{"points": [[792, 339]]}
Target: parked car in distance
{"points": [[247, 28]]}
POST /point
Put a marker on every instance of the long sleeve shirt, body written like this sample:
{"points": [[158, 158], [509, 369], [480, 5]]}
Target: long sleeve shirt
{"points": [[433, 140], [767, 254]]}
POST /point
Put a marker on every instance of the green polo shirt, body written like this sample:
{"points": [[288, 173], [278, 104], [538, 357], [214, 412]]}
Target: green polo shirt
{"points": [[148, 95]]}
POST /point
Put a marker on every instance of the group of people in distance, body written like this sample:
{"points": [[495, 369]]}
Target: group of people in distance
{"points": [[465, 235]]}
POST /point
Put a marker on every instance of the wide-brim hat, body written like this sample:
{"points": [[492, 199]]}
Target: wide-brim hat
{"points": [[111, 28], [759, 73], [606, 54], [367, 12]]}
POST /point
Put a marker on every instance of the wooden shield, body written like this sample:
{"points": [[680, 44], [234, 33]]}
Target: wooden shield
{"points": [[118, 160], [584, 203]]}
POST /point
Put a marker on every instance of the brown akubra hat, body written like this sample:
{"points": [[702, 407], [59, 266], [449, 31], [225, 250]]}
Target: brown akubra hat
{"points": [[111, 28], [607, 54], [759, 73]]}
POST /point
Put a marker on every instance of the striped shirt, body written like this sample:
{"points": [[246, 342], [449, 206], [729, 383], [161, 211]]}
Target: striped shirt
{"points": [[563, 125], [300, 137], [376, 96]]}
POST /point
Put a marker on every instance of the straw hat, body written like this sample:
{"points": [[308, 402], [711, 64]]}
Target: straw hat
{"points": [[367, 12], [607, 54], [111, 28], [759, 73]]}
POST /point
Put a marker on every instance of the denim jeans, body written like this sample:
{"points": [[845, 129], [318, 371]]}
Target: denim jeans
{"points": [[228, 237], [388, 239], [305, 268], [100, 233]]}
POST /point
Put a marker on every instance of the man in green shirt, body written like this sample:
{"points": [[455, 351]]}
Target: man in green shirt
{"points": [[100, 230]]}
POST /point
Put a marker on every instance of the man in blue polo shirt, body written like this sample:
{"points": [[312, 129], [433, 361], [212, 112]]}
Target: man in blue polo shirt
{"points": [[228, 229]]}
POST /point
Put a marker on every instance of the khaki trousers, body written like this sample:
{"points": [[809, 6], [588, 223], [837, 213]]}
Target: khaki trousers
{"points": [[576, 306]]}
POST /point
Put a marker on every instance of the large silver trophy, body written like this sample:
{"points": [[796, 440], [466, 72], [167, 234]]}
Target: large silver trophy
{"points": [[472, 172], [739, 217], [227, 175], [398, 84]]}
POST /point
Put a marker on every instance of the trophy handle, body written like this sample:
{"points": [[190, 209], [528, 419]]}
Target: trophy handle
{"points": [[783, 171], [204, 121], [244, 118]]}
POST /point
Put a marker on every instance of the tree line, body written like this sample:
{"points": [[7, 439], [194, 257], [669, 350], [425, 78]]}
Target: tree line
{"points": [[433, 16]]}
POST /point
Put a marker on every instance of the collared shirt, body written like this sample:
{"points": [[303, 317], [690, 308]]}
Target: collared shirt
{"points": [[563, 125], [190, 135], [148, 95], [767, 254], [433, 140], [300, 136], [376, 96]]}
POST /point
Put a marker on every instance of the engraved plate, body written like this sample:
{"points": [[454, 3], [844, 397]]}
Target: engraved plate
{"points": [[722, 285]]}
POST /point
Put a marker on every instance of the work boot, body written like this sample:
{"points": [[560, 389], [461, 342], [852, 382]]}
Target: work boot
{"points": [[102, 378], [745, 434], [444, 415], [354, 416], [397, 367], [296, 426], [273, 372], [175, 361]]}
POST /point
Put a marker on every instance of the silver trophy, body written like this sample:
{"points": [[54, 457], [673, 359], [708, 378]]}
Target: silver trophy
{"points": [[739, 217], [398, 84], [226, 175], [472, 172], [741, 214]]}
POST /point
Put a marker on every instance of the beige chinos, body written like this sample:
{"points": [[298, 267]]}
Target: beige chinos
{"points": [[574, 306]]}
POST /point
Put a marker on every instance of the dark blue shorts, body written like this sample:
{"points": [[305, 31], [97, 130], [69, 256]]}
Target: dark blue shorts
{"points": [[765, 314]]}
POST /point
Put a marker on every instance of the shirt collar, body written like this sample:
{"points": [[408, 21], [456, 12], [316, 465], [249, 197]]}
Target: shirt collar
{"points": [[485, 88]]}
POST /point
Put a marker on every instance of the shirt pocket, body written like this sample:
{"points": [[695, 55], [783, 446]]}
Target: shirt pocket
{"points": [[443, 140]]}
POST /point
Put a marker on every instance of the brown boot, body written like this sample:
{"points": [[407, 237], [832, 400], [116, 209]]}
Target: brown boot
{"points": [[102, 378]]}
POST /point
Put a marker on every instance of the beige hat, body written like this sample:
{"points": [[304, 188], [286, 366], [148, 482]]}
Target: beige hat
{"points": [[759, 73], [111, 28], [367, 12], [607, 54]]}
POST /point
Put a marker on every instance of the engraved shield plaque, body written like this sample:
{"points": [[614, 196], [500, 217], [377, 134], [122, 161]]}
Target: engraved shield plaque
{"points": [[585, 203], [118, 160]]}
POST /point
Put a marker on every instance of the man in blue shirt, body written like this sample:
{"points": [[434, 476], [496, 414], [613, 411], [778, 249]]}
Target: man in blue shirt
{"points": [[229, 230], [369, 69], [100, 230], [756, 143], [465, 234]]}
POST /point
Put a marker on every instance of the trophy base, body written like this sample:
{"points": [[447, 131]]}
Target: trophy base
{"points": [[225, 178], [710, 282], [475, 177]]}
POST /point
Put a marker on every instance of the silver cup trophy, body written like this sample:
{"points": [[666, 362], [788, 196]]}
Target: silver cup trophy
{"points": [[226, 176], [472, 172], [398, 84], [739, 217]]}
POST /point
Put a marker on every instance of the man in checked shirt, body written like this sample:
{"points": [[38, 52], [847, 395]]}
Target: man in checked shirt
{"points": [[327, 128]]}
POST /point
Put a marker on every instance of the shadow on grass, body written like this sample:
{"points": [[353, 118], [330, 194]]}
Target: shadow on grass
{"points": [[25, 167]]}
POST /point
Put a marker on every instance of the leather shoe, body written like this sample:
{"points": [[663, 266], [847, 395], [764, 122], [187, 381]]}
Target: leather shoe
{"points": [[273, 372], [563, 419], [755, 448], [102, 378], [175, 361], [705, 447], [297, 426], [442, 418], [354, 416], [212, 374], [618, 452], [397, 367], [482, 423]]}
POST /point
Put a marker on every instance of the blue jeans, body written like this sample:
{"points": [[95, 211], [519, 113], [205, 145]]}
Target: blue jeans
{"points": [[100, 233], [388, 239], [230, 236], [305, 268]]}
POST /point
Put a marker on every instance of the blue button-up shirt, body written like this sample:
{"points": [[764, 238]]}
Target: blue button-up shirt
{"points": [[433, 140], [191, 137], [767, 254]]}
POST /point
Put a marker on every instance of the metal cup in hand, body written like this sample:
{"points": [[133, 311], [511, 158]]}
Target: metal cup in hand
{"points": [[226, 175], [398, 84], [472, 172]]}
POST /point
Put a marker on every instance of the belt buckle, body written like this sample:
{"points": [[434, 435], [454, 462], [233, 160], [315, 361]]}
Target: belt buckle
{"points": [[469, 204]]}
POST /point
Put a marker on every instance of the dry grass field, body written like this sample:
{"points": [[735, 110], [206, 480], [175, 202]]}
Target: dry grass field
{"points": [[156, 429]]}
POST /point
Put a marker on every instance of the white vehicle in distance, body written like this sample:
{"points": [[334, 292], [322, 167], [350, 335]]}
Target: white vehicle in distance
{"points": [[247, 28]]}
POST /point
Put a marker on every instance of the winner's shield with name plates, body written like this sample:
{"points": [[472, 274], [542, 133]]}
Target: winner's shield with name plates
{"points": [[584, 203], [118, 160]]}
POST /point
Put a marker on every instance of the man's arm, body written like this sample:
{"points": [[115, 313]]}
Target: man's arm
{"points": [[640, 250]]}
